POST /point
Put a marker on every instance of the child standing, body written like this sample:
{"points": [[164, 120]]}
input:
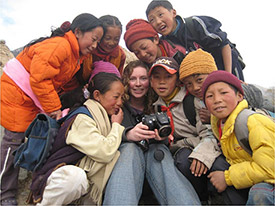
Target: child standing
{"points": [[245, 175], [108, 49], [46, 66], [202, 32], [142, 39], [193, 142]]}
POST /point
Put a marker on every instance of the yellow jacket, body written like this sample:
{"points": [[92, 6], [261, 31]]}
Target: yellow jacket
{"points": [[246, 170]]}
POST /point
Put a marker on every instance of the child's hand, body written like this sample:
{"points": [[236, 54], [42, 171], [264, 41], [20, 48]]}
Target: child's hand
{"points": [[56, 114], [140, 132], [158, 138], [205, 115], [198, 168], [218, 181], [118, 117]]}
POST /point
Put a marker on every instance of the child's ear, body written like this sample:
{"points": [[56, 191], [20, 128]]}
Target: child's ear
{"points": [[96, 95], [239, 96], [77, 32], [156, 40], [174, 12]]}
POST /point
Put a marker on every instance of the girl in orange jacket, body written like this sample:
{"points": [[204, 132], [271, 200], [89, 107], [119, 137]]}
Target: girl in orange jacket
{"points": [[50, 62]]}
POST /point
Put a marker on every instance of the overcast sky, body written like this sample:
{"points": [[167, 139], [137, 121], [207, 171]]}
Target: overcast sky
{"points": [[248, 23]]}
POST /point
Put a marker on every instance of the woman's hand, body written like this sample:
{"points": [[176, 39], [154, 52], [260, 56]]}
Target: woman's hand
{"points": [[205, 115], [140, 132], [198, 168], [118, 117], [56, 114]]}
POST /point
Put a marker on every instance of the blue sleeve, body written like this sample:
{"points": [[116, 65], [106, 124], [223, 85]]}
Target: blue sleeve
{"points": [[209, 32]]}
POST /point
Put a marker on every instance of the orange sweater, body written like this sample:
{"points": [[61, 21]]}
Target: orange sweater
{"points": [[51, 64]]}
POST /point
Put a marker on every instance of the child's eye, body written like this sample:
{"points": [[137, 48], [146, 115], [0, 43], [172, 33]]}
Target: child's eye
{"points": [[208, 96], [199, 80]]}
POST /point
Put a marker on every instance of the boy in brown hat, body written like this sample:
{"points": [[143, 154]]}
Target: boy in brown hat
{"points": [[190, 140], [247, 178]]}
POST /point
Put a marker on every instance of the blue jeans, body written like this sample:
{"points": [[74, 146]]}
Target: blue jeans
{"points": [[169, 186], [261, 194]]}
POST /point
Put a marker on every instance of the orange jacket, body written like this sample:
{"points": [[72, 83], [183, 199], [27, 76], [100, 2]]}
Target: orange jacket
{"points": [[51, 64]]}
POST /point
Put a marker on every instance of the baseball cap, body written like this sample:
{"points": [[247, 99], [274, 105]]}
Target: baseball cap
{"points": [[168, 63]]}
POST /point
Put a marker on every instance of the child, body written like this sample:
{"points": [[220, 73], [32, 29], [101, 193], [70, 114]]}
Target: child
{"points": [[191, 142], [89, 143], [202, 32], [31, 82], [249, 175], [142, 39], [194, 69], [108, 49]]}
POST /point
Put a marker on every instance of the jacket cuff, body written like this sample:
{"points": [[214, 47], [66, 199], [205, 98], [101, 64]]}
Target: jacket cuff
{"points": [[227, 179], [124, 138]]}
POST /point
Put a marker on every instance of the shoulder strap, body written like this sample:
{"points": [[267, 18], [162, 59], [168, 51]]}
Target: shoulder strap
{"points": [[190, 26], [82, 110], [189, 109], [241, 129]]}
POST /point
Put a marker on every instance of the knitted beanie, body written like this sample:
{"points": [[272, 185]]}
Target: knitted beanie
{"points": [[197, 62], [102, 66], [137, 29], [221, 76]]}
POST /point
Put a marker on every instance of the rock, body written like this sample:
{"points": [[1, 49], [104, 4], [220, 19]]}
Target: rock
{"points": [[5, 54]]}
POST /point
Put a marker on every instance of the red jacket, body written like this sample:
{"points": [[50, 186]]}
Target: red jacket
{"points": [[51, 64]]}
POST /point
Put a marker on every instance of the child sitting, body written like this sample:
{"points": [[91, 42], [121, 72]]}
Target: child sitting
{"points": [[248, 178], [189, 142], [193, 71], [142, 39], [85, 149]]}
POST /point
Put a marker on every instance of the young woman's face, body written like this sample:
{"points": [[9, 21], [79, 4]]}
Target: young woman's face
{"points": [[110, 39], [163, 82], [194, 83], [146, 50], [221, 100], [163, 20], [112, 99], [88, 41], [138, 82]]}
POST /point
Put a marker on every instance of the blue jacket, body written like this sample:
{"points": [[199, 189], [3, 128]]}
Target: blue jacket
{"points": [[206, 34]]}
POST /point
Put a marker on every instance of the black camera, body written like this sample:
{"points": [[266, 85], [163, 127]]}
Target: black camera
{"points": [[159, 121]]}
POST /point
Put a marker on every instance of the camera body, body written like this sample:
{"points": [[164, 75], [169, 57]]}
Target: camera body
{"points": [[159, 121]]}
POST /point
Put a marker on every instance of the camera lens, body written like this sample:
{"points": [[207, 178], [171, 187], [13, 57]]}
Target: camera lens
{"points": [[165, 131]]}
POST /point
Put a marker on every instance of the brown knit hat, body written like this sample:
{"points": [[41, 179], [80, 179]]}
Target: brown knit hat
{"points": [[197, 62], [137, 29]]}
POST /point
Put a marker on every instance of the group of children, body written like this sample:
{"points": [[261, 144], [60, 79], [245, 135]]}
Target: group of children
{"points": [[202, 103]]}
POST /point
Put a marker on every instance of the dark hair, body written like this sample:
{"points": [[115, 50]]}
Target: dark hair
{"points": [[157, 3], [108, 20], [102, 82], [84, 22], [127, 72]]}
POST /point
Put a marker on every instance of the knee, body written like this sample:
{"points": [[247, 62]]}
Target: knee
{"points": [[181, 160], [65, 177], [261, 194]]}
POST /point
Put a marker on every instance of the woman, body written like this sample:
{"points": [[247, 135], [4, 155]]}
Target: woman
{"points": [[134, 164], [47, 64]]}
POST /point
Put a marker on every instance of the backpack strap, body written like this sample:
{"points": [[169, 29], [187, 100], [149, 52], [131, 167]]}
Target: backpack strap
{"points": [[241, 129], [189, 109], [190, 26], [79, 110]]}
